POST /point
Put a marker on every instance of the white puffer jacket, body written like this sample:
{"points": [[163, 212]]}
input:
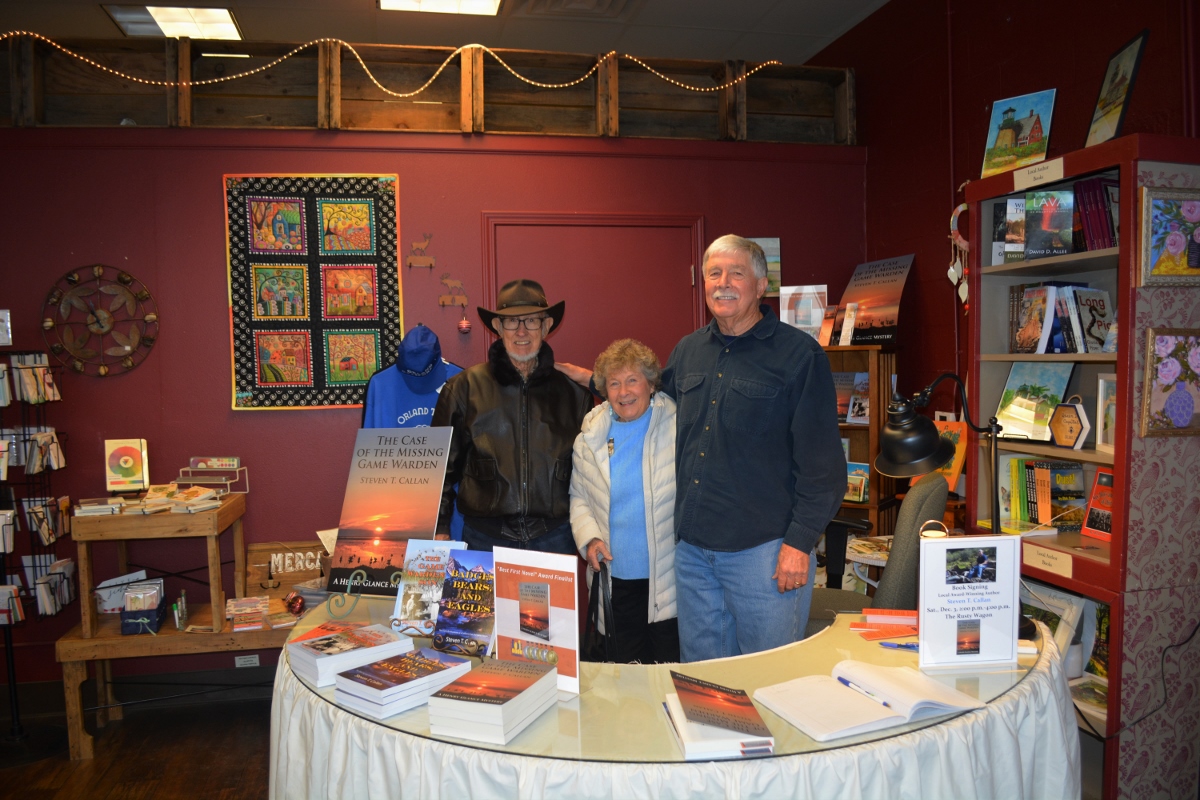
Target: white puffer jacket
{"points": [[591, 487]]}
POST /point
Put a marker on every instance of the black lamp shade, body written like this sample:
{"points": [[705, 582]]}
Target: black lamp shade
{"points": [[910, 444]]}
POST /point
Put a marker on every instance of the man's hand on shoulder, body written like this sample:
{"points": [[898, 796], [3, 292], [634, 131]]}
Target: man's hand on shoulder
{"points": [[578, 374], [791, 571]]}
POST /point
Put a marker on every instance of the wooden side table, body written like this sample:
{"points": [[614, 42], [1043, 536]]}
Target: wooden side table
{"points": [[121, 528]]}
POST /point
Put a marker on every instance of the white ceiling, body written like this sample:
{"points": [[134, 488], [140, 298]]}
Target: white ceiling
{"points": [[791, 31]]}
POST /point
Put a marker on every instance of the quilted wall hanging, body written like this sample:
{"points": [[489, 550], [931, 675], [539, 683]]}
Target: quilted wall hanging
{"points": [[314, 288]]}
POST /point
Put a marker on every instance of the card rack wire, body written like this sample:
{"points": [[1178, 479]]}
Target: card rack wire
{"points": [[225, 481]]}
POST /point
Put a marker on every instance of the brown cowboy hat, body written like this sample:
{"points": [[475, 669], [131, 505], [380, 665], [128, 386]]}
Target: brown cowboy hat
{"points": [[519, 298]]}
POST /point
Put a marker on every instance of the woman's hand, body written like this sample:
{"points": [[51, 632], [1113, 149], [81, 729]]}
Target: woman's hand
{"points": [[596, 550]]}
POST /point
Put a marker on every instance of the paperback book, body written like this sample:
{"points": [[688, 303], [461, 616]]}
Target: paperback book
{"points": [[1036, 319], [859, 412], [494, 702], [126, 464], [825, 336], [843, 386], [425, 564], [392, 685], [1014, 230], [860, 698], [320, 660], [466, 611], [714, 721], [1098, 516], [875, 289], [1049, 224], [1096, 315], [537, 613], [1030, 395], [858, 482], [700, 742]]}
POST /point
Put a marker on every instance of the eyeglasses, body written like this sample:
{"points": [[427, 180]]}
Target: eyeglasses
{"points": [[529, 323]]}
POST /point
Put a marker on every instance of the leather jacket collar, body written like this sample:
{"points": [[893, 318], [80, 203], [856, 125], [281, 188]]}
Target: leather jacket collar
{"points": [[506, 374]]}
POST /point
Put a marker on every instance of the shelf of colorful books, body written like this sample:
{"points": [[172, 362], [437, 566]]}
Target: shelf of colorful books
{"points": [[1054, 266], [1079, 358], [1046, 450]]}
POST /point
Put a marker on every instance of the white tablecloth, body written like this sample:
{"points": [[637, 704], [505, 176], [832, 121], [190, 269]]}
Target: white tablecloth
{"points": [[1025, 744]]}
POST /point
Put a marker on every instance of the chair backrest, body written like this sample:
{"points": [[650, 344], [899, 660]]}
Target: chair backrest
{"points": [[926, 500]]}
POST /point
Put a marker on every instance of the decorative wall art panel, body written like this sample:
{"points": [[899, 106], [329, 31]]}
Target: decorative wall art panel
{"points": [[314, 289]]}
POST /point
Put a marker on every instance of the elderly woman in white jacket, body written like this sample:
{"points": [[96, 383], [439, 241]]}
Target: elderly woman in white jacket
{"points": [[623, 500]]}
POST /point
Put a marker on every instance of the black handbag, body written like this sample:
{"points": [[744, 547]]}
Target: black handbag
{"points": [[599, 645]]}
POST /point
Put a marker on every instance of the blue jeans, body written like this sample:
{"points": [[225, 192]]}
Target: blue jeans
{"points": [[729, 604], [558, 540]]}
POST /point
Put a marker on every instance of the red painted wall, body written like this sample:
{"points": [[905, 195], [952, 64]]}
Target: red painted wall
{"points": [[927, 73], [151, 202]]}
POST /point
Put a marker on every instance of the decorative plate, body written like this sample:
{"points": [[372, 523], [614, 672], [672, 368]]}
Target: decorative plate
{"points": [[100, 321]]}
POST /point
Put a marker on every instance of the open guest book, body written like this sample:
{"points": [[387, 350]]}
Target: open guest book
{"points": [[860, 698]]}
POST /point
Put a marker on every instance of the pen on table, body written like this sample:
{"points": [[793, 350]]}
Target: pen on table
{"points": [[900, 645], [864, 692]]}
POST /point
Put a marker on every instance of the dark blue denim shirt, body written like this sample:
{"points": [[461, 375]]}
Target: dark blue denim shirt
{"points": [[758, 451]]}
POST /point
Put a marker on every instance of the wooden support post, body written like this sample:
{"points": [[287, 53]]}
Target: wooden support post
{"points": [[25, 82], [471, 93], [79, 740], [733, 102], [87, 604], [214, 583], [179, 69], [329, 85], [845, 111], [608, 110]]}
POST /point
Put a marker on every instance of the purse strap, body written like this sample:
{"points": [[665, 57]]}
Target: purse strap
{"points": [[600, 603]]}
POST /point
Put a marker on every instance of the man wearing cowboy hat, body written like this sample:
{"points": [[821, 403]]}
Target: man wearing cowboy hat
{"points": [[515, 419]]}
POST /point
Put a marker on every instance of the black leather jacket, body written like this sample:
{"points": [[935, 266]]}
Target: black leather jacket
{"points": [[510, 454]]}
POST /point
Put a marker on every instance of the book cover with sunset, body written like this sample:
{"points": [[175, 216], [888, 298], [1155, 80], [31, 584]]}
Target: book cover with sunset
{"points": [[392, 495], [876, 288], [720, 706], [494, 683], [537, 616], [390, 675]]}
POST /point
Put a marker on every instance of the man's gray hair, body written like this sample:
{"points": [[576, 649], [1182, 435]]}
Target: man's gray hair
{"points": [[731, 244]]}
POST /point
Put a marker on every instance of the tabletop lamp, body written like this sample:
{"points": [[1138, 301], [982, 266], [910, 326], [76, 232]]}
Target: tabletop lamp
{"points": [[910, 444]]}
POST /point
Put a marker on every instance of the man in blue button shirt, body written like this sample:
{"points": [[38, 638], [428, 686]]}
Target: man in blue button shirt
{"points": [[759, 464]]}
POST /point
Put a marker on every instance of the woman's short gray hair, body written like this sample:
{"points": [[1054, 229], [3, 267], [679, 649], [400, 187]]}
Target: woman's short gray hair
{"points": [[733, 244], [626, 354]]}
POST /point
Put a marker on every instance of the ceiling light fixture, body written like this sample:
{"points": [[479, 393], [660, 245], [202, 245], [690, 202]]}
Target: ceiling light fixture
{"points": [[195, 23], [479, 7]]}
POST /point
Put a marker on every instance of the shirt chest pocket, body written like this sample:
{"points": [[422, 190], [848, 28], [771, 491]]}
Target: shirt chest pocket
{"points": [[691, 398], [753, 407]]}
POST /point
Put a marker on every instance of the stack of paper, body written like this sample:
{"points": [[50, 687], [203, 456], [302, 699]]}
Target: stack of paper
{"points": [[385, 688], [494, 702], [319, 660]]}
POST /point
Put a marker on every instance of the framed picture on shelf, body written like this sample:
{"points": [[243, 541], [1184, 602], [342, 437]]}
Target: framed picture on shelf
{"points": [[1033, 390], [1106, 412], [1018, 132], [1114, 92], [1170, 231], [1172, 382]]}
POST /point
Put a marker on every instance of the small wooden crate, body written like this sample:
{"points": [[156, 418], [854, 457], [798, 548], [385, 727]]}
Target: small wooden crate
{"points": [[273, 568]]}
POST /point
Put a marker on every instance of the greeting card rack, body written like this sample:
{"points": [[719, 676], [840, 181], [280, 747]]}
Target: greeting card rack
{"points": [[28, 494]]}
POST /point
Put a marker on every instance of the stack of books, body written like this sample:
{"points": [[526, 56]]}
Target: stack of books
{"points": [[98, 506], [194, 499], [318, 661], [494, 702], [247, 613], [386, 688], [156, 500], [711, 721]]}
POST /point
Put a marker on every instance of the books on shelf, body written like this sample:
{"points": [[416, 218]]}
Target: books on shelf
{"points": [[714, 721], [493, 702], [843, 387], [1096, 315], [1014, 230], [1049, 223], [320, 660], [1036, 319], [1018, 527], [860, 698], [425, 562], [248, 621], [1030, 395], [11, 609], [246, 605], [858, 482], [825, 335], [1098, 515], [392, 685], [859, 412]]}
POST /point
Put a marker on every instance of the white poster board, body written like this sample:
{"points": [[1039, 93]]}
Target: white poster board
{"points": [[969, 602]]}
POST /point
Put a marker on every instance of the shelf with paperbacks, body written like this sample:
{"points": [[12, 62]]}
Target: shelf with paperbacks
{"points": [[1070, 560], [879, 362]]}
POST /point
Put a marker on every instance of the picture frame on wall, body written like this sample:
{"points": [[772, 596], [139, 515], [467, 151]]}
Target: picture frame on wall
{"points": [[1113, 101], [1172, 387], [1170, 237], [770, 248], [1106, 412]]}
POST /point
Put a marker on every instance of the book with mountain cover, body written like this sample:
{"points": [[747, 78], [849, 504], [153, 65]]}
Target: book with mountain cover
{"points": [[467, 609]]}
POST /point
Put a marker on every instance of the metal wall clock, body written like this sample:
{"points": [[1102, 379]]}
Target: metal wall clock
{"points": [[100, 321]]}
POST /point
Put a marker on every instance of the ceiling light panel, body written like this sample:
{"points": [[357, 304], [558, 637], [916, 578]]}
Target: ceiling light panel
{"points": [[195, 23], [477, 7]]}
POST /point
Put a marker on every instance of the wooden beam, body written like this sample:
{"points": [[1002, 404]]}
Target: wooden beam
{"points": [[25, 82], [733, 102], [179, 69], [471, 93], [608, 110], [329, 85], [845, 112]]}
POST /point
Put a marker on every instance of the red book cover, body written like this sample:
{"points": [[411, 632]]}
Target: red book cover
{"points": [[1098, 520], [326, 629], [719, 706]]}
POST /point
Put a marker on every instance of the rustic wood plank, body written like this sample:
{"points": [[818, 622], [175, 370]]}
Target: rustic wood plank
{"points": [[25, 83], [641, 90], [846, 111], [794, 129], [662, 124], [110, 644], [79, 740], [403, 115], [102, 112], [183, 74], [540, 119], [239, 559], [329, 86], [254, 112], [501, 87], [67, 75], [401, 78], [215, 593], [296, 77], [732, 102], [471, 94], [779, 96], [87, 605], [607, 98]]}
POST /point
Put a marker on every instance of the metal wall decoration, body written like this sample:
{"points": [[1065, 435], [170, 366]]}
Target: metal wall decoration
{"points": [[100, 320], [314, 286]]}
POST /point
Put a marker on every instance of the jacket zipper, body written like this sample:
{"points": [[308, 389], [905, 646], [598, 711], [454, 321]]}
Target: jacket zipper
{"points": [[524, 505]]}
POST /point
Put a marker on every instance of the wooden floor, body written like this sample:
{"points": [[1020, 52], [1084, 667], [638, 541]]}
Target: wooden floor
{"points": [[216, 750]]}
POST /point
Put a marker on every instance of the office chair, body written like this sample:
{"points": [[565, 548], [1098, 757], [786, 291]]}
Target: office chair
{"points": [[898, 586]]}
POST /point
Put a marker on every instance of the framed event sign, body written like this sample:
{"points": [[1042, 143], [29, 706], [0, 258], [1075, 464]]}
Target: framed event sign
{"points": [[969, 602], [314, 286], [1170, 237], [1172, 382]]}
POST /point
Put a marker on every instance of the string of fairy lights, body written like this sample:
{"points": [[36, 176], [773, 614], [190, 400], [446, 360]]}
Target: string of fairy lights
{"points": [[403, 95]]}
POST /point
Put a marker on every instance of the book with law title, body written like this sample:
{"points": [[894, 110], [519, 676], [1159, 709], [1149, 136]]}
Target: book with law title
{"points": [[714, 721], [387, 687], [320, 660], [393, 491], [466, 616], [494, 702]]}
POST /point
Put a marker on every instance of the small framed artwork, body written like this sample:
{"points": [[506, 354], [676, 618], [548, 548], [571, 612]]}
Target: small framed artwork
{"points": [[1172, 382], [1170, 237], [1114, 92], [1018, 133], [1106, 412]]}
